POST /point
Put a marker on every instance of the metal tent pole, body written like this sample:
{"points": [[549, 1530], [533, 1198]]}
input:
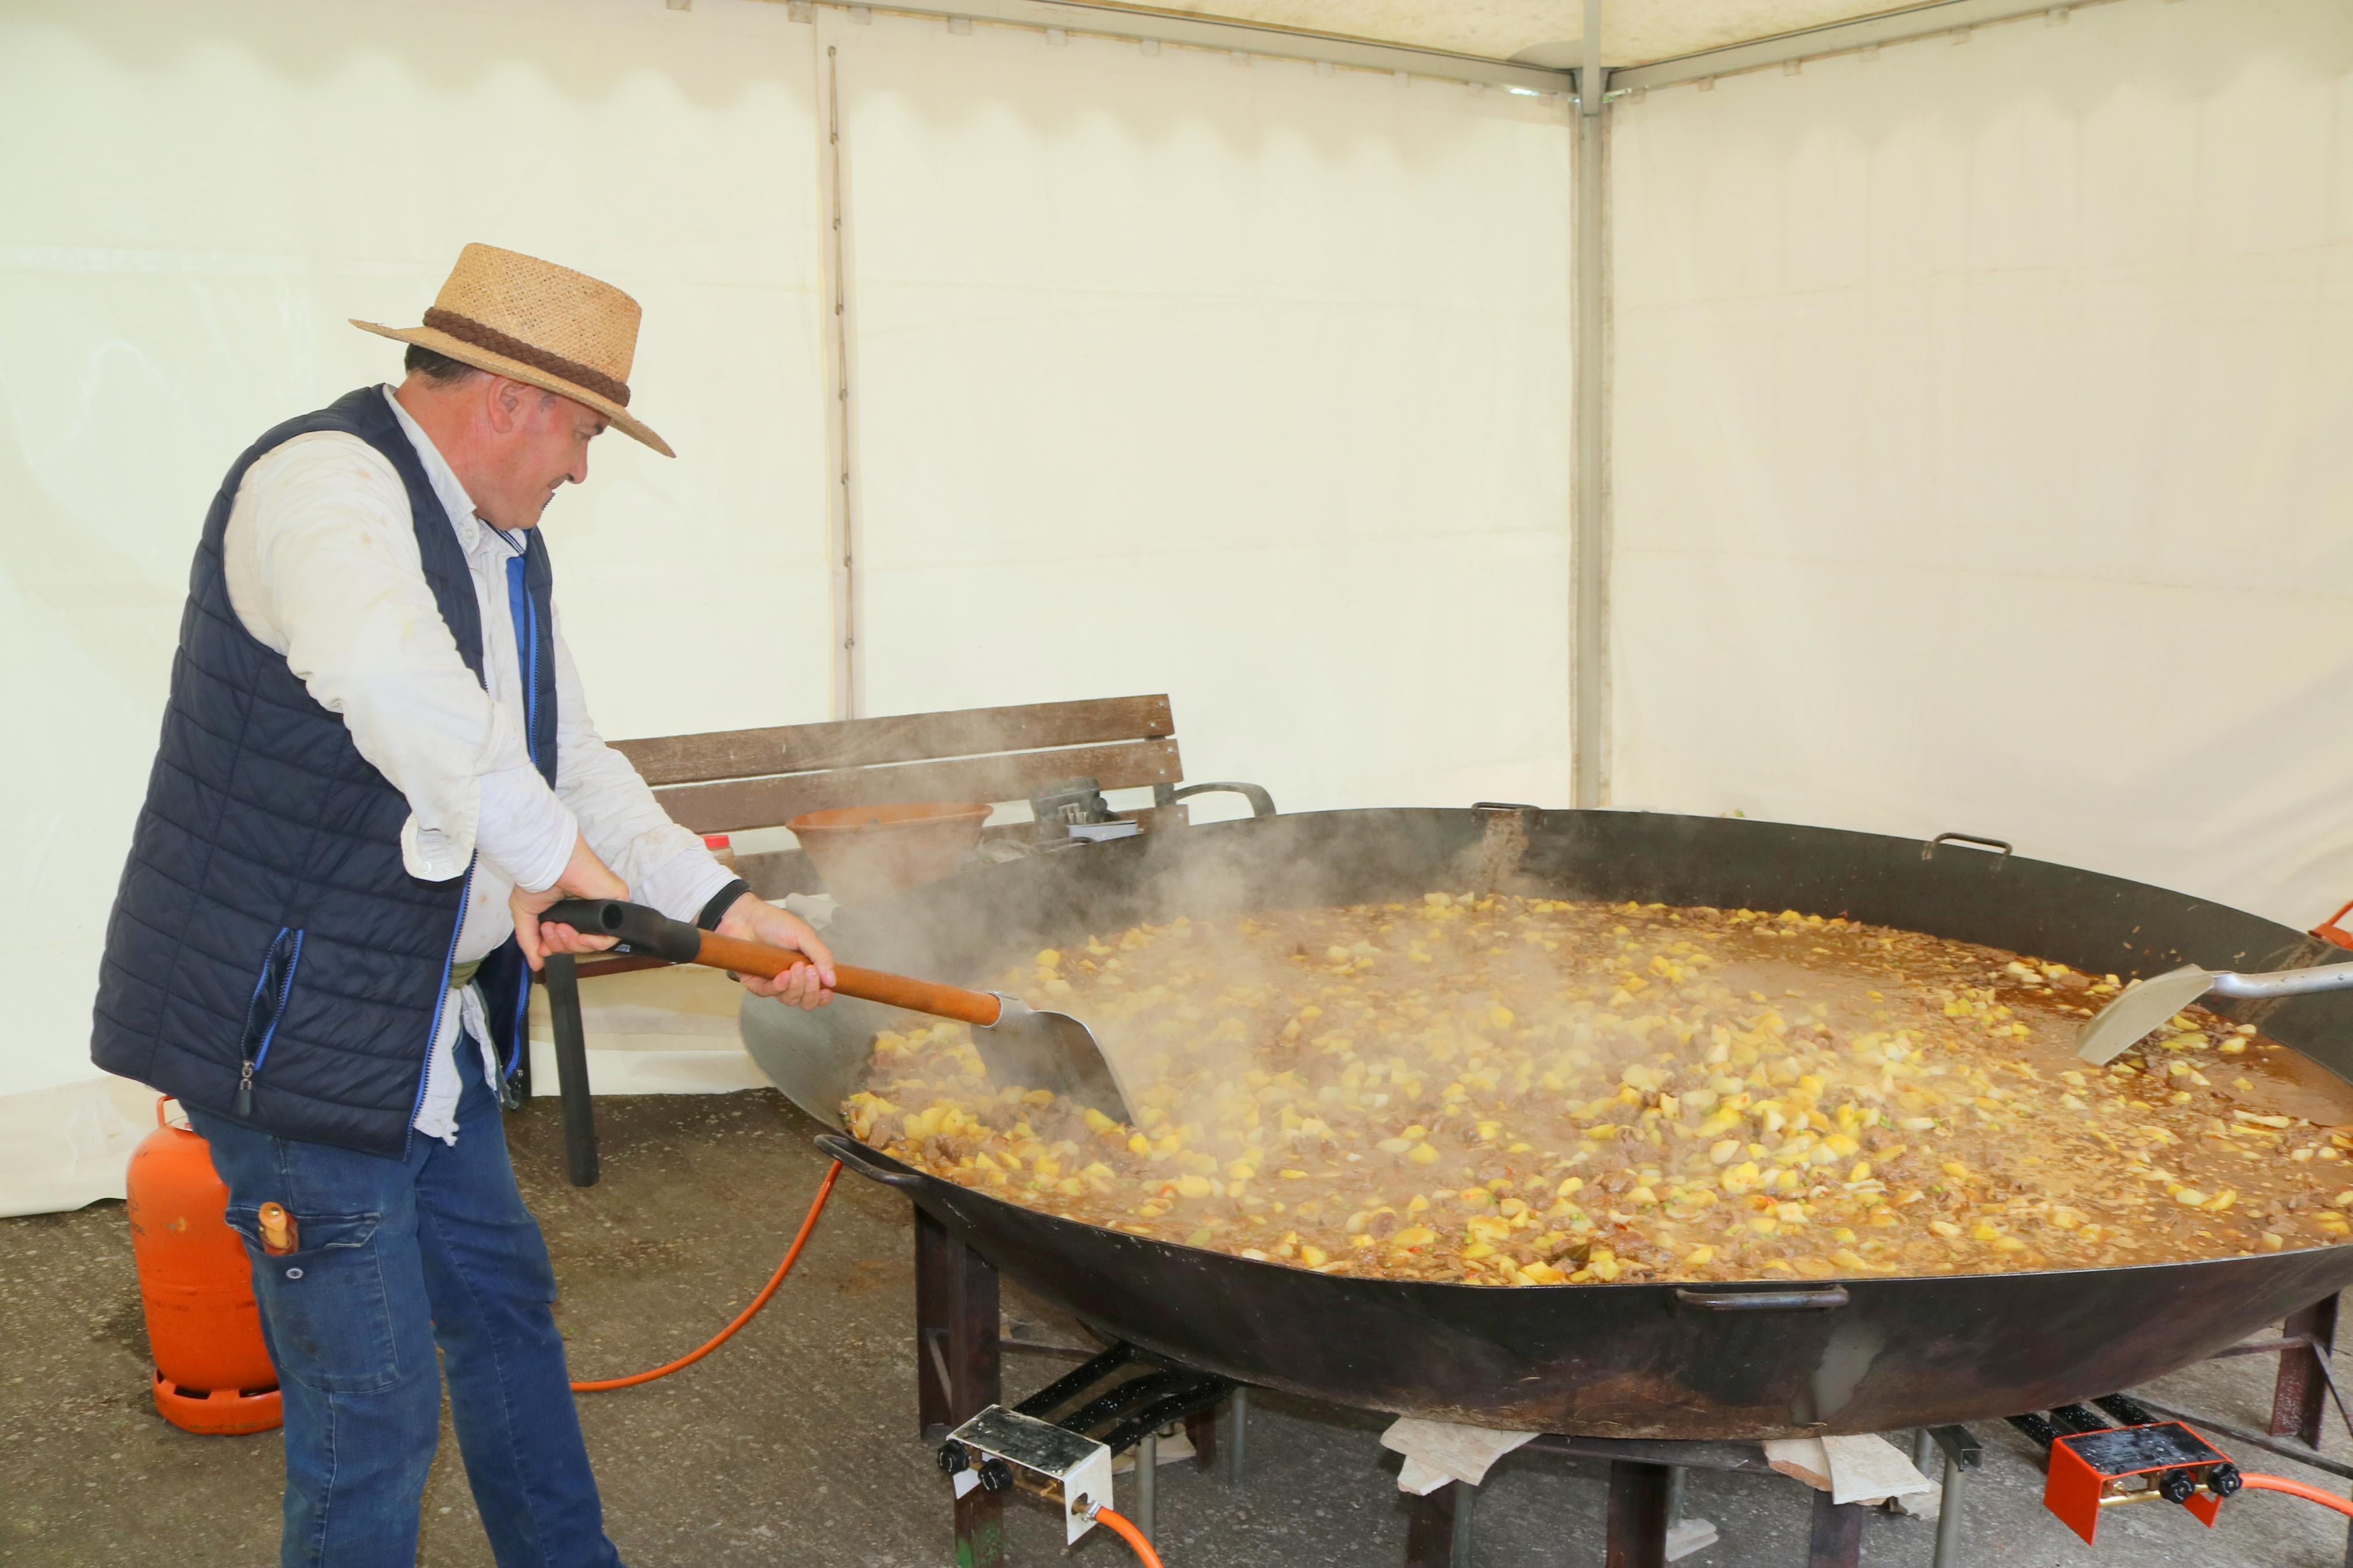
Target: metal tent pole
{"points": [[1590, 549]]}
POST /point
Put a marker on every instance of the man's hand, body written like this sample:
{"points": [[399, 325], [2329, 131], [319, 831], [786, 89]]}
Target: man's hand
{"points": [[752, 919], [585, 877]]}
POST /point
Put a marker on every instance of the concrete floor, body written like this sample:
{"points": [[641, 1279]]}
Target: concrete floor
{"points": [[795, 1444]]}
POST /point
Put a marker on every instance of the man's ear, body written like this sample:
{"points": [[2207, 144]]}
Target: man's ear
{"points": [[504, 406]]}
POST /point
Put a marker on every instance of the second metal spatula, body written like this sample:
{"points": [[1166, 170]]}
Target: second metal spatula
{"points": [[2122, 1022]]}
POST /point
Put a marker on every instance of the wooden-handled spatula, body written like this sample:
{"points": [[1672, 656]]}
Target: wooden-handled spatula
{"points": [[1020, 1044]]}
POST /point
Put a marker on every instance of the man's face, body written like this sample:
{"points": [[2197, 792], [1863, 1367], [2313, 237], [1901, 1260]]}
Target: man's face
{"points": [[537, 441]]}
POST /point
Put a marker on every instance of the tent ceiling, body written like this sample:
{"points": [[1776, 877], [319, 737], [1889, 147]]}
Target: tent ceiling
{"points": [[1534, 32]]}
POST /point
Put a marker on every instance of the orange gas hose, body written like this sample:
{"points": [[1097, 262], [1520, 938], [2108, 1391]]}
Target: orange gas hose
{"points": [[1127, 1531], [808, 1223], [2297, 1489]]}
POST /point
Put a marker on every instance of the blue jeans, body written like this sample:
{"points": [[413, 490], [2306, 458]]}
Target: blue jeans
{"points": [[395, 1256]]}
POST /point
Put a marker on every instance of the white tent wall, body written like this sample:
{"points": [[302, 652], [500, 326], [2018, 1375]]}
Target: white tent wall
{"points": [[1144, 344], [1979, 453], [198, 196], [1232, 380]]}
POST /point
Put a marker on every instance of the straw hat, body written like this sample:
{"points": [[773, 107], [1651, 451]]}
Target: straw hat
{"points": [[517, 316]]}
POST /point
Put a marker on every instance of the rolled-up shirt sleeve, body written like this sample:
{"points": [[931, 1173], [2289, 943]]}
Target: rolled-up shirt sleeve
{"points": [[665, 864], [525, 830], [323, 567]]}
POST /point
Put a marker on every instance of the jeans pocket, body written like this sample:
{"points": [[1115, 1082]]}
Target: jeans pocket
{"points": [[329, 1315]]}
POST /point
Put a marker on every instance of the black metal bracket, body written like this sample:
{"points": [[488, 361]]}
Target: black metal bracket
{"points": [[1960, 1445]]}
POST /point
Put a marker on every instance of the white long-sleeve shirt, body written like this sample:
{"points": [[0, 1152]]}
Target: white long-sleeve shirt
{"points": [[323, 566]]}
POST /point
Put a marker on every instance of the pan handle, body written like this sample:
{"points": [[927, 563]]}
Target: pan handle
{"points": [[860, 1159], [1928, 850], [1261, 803], [1823, 1299]]}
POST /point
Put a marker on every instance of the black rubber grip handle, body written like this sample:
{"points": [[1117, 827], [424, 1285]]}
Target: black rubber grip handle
{"points": [[641, 929], [1819, 1301]]}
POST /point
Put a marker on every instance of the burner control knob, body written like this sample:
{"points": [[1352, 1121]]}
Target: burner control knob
{"points": [[2177, 1485], [995, 1476], [953, 1458], [2224, 1481]]}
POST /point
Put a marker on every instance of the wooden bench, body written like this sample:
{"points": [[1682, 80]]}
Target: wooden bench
{"points": [[736, 781]]}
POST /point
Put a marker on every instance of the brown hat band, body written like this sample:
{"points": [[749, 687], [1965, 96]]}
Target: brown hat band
{"points": [[465, 329]]}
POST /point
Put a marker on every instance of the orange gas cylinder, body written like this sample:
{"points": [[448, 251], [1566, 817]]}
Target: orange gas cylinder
{"points": [[212, 1370]]}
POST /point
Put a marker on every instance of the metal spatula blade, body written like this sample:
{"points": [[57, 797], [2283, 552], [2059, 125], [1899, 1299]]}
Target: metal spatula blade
{"points": [[2122, 1022], [1051, 1050]]}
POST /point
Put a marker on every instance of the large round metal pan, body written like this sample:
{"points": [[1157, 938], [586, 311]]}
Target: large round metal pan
{"points": [[1628, 1360]]}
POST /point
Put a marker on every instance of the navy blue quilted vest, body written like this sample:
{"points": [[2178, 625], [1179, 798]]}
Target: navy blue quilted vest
{"points": [[269, 958]]}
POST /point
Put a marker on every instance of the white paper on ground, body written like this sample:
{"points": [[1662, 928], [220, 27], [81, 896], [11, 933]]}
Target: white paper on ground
{"points": [[1870, 1467], [1174, 1448], [1686, 1536], [1454, 1452], [1421, 1480], [1851, 1469], [1802, 1458]]}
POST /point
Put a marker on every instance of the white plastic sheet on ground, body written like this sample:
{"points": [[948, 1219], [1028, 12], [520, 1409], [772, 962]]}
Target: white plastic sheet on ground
{"points": [[1981, 445], [196, 198], [1235, 382]]}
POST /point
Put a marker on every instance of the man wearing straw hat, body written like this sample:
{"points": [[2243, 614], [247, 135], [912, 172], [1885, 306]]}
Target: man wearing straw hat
{"points": [[376, 770]]}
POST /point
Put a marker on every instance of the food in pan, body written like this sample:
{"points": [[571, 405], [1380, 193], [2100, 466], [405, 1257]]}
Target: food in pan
{"points": [[1508, 1090]]}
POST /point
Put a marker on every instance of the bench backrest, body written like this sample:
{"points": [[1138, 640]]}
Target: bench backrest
{"points": [[731, 780]]}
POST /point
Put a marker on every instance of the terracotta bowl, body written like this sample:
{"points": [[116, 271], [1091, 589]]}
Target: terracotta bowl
{"points": [[869, 851]]}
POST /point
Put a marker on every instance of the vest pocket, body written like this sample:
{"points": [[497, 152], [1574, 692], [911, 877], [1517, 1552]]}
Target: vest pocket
{"points": [[268, 1007]]}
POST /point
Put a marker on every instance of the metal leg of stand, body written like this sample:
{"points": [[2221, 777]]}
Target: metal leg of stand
{"points": [[1837, 1538], [1457, 1546], [1147, 1479], [562, 979], [1429, 1529], [1201, 1429], [1636, 1529], [1677, 1477], [2300, 1397], [1238, 1433], [956, 1369], [1949, 1519]]}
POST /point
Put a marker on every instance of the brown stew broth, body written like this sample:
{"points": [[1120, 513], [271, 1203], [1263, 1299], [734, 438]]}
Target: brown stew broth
{"points": [[1504, 1090]]}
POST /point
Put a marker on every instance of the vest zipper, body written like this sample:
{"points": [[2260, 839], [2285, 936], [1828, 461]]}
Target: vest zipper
{"points": [[529, 633], [259, 1054], [530, 675]]}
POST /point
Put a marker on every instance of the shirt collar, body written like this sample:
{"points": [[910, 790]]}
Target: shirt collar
{"points": [[444, 481]]}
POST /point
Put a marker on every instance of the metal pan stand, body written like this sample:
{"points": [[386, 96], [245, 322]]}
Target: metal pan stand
{"points": [[1122, 1398]]}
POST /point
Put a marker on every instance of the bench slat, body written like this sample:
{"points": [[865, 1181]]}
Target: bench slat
{"points": [[731, 754], [728, 806]]}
